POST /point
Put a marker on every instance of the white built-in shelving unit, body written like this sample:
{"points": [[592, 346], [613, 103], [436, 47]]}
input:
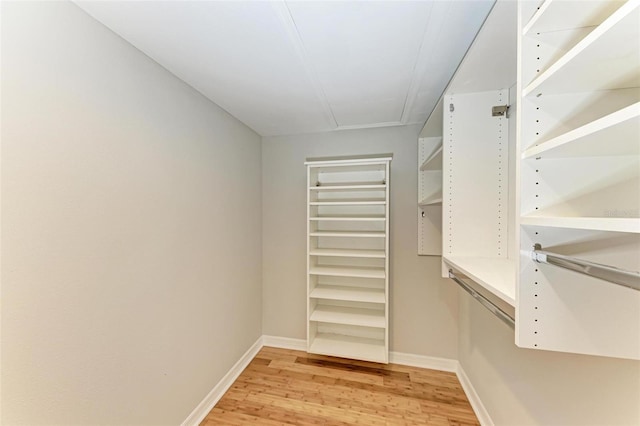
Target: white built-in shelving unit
{"points": [[348, 257], [579, 137], [479, 163], [430, 156], [557, 176]]}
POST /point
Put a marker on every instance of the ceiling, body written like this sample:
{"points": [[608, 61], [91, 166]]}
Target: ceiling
{"points": [[287, 67]]}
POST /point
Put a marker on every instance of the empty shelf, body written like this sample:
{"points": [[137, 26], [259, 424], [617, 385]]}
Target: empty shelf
{"points": [[496, 275], [349, 316], [607, 58], [613, 224], [345, 271], [348, 347], [613, 134], [554, 15], [365, 218], [432, 200], [379, 254], [363, 234], [353, 294], [349, 202], [434, 162], [364, 186]]}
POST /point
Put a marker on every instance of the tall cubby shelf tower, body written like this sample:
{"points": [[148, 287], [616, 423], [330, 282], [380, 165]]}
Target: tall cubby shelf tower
{"points": [[348, 257]]}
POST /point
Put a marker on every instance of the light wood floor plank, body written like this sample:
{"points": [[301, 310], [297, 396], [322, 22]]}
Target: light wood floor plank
{"points": [[286, 387]]}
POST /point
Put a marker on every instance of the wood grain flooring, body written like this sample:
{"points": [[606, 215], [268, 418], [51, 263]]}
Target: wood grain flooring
{"points": [[295, 388]]}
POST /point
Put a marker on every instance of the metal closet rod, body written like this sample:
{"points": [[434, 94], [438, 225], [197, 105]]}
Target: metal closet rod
{"points": [[629, 279], [492, 307]]}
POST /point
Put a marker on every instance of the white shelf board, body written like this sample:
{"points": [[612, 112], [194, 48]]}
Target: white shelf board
{"points": [[365, 186], [352, 294], [361, 218], [613, 224], [615, 134], [593, 63], [346, 271], [496, 275], [377, 254], [349, 316], [350, 202], [432, 200], [358, 234], [434, 161], [348, 347], [555, 15], [356, 161]]}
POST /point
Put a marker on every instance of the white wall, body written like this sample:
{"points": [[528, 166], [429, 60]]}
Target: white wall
{"points": [[528, 387], [131, 240], [423, 306]]}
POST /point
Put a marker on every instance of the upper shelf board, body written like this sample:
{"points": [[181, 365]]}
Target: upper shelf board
{"points": [[615, 134], [556, 15], [364, 186], [434, 161], [608, 58], [611, 224]]}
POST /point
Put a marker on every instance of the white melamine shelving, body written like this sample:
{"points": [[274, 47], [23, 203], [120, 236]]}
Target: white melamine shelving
{"points": [[348, 234], [349, 316], [430, 155], [361, 272], [619, 129], [579, 188], [610, 224], [349, 202], [342, 186], [480, 163], [377, 254], [558, 15], [432, 200], [347, 262], [434, 162], [498, 276], [607, 58], [353, 294], [345, 217]]}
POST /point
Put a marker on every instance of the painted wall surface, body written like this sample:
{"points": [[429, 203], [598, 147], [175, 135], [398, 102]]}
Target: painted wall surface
{"points": [[529, 387], [423, 308], [131, 249]]}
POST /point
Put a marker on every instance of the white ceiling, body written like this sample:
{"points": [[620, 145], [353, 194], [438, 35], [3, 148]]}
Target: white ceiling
{"points": [[291, 67]]}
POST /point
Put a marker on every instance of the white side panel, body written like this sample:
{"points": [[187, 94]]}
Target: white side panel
{"points": [[562, 310], [475, 176]]}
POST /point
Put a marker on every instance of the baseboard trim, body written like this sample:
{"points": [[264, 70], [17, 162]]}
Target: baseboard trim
{"points": [[474, 399], [209, 401], [284, 343], [421, 361]]}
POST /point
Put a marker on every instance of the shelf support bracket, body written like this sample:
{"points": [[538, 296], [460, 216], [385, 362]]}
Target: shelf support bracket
{"points": [[500, 111]]}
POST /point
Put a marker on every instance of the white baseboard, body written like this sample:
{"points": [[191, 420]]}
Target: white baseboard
{"points": [[284, 343], [209, 401], [478, 407], [422, 361]]}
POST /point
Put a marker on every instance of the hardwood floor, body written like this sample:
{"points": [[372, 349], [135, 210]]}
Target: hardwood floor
{"points": [[291, 387]]}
